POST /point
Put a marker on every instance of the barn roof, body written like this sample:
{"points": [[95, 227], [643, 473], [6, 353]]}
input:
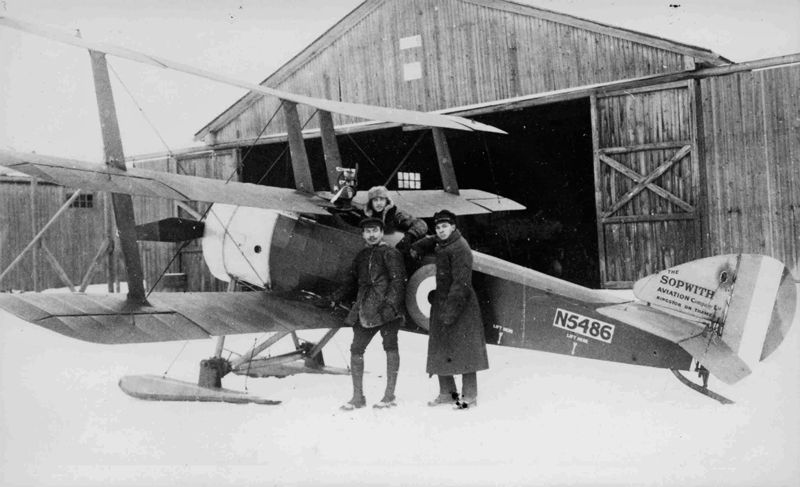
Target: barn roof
{"points": [[703, 56]]}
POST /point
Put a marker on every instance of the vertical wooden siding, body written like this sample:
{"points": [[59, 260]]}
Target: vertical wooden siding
{"points": [[73, 239], [469, 54], [751, 125]]}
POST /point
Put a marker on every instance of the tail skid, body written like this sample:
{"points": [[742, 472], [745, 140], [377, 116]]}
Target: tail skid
{"points": [[701, 389]]}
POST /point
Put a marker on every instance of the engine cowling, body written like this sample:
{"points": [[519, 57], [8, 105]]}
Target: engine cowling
{"points": [[237, 241], [419, 292]]}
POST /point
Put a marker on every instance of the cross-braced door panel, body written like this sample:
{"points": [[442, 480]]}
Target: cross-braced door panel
{"points": [[646, 182]]}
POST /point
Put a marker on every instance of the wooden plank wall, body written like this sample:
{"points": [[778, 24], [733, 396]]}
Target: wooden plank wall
{"points": [[649, 233], [73, 239], [157, 255], [469, 54], [751, 128]]}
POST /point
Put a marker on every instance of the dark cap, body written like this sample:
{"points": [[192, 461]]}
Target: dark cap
{"points": [[371, 222], [444, 216]]}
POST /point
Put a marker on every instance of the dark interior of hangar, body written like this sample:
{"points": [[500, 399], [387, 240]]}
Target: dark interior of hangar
{"points": [[545, 163]]}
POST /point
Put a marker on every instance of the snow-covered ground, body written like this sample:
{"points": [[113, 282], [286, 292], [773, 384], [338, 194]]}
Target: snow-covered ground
{"points": [[542, 419]]}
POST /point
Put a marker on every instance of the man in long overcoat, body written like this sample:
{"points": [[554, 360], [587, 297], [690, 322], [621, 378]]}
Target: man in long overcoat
{"points": [[456, 344], [380, 277]]}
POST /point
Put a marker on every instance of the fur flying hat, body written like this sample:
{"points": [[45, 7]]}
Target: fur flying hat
{"points": [[378, 192], [444, 216], [371, 222]]}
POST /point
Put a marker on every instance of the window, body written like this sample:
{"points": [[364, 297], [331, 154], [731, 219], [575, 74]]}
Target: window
{"points": [[409, 180], [83, 201]]}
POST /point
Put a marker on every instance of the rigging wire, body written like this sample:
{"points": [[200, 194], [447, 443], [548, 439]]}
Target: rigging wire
{"points": [[145, 117], [173, 360], [365, 154], [249, 362], [249, 149], [205, 213], [405, 158], [285, 148]]}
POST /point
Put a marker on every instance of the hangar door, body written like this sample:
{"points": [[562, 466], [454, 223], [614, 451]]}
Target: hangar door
{"points": [[647, 180]]}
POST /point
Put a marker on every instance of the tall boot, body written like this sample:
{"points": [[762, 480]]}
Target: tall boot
{"points": [[448, 393], [469, 389], [357, 374], [392, 367]]}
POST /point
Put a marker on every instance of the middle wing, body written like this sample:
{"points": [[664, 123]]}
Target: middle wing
{"points": [[168, 316], [141, 182]]}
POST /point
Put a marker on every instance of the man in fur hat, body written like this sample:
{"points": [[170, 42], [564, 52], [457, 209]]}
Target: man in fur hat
{"points": [[379, 205], [456, 343], [380, 277]]}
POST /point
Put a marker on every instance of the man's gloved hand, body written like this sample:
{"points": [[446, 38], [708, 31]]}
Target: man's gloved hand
{"points": [[404, 245]]}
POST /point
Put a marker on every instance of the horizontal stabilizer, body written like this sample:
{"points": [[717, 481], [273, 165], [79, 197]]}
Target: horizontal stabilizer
{"points": [[170, 230], [705, 346], [111, 318], [750, 299]]}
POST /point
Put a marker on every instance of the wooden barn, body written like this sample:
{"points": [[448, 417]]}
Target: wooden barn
{"points": [[631, 152]]}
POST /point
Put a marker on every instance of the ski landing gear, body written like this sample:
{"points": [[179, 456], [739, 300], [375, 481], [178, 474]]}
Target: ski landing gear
{"points": [[306, 358]]}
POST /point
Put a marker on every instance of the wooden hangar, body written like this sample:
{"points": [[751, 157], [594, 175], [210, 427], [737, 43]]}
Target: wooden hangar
{"points": [[632, 153]]}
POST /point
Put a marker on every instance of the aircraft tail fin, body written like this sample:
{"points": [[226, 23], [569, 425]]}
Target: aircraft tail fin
{"points": [[746, 301]]}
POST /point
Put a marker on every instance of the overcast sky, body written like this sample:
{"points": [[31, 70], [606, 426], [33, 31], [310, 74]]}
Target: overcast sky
{"points": [[46, 93]]}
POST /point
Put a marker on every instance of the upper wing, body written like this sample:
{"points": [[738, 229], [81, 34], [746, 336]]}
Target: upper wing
{"points": [[141, 182], [370, 112], [168, 316]]}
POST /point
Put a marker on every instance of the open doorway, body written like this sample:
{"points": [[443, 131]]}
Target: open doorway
{"points": [[546, 163]]}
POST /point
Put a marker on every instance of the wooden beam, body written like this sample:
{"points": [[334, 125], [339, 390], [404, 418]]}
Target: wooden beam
{"points": [[448, 173], [108, 224], [40, 234], [677, 144], [330, 147], [260, 348], [34, 218], [57, 267], [87, 277], [115, 157], [647, 182], [598, 192], [297, 149], [650, 218]]}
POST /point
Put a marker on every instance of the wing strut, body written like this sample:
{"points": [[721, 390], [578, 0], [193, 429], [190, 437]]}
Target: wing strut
{"points": [[449, 182], [115, 157], [297, 149]]}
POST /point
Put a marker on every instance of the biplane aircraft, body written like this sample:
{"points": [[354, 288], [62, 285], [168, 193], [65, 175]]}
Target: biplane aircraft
{"points": [[720, 314]]}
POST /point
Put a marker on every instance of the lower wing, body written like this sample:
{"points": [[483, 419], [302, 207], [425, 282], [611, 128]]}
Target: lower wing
{"points": [[168, 316]]}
